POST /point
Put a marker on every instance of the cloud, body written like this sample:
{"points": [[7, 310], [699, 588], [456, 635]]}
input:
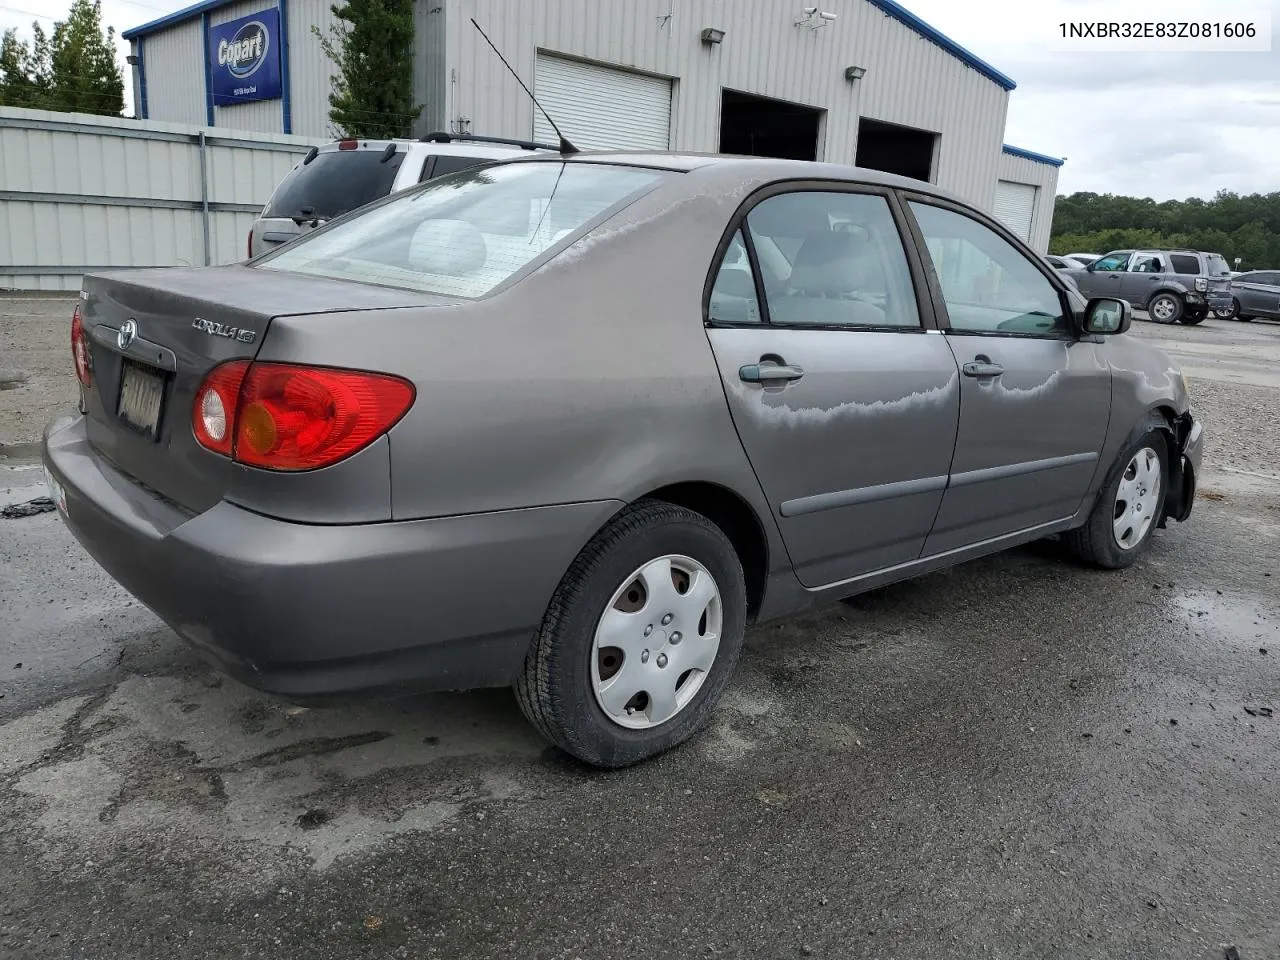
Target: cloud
{"points": [[1160, 125]]}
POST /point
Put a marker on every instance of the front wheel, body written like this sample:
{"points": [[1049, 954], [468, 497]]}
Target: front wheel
{"points": [[640, 639], [1230, 313], [1165, 308], [1129, 506]]}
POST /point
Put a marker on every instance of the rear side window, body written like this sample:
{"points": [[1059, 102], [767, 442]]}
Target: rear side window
{"points": [[442, 165], [333, 183], [832, 259], [1184, 263], [463, 235]]}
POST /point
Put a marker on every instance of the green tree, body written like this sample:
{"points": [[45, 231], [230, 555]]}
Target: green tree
{"points": [[24, 70], [84, 75], [371, 43]]}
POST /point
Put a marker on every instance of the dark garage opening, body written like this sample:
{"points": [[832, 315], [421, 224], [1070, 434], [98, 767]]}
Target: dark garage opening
{"points": [[760, 127], [905, 151]]}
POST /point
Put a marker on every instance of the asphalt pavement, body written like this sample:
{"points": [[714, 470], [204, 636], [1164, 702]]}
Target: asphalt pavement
{"points": [[1015, 758]]}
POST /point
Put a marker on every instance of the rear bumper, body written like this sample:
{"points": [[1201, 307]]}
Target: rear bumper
{"points": [[303, 610]]}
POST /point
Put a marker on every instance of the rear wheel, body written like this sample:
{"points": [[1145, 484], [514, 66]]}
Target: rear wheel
{"points": [[1129, 506], [1165, 308], [640, 639], [1230, 313], [1192, 317]]}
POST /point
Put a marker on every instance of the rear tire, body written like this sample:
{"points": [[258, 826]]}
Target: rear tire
{"points": [[1192, 317], [614, 625], [1165, 308], [1129, 506]]}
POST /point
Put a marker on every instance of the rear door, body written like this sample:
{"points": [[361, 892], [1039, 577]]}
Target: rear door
{"points": [[337, 179], [1146, 271], [1258, 293], [845, 399], [1034, 398]]}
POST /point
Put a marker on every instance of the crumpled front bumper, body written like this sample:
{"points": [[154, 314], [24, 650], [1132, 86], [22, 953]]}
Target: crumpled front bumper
{"points": [[1184, 469]]}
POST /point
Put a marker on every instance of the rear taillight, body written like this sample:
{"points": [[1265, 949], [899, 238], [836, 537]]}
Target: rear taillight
{"points": [[80, 349], [279, 416], [213, 418]]}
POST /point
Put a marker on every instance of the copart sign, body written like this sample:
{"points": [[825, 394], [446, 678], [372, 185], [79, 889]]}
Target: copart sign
{"points": [[244, 59]]}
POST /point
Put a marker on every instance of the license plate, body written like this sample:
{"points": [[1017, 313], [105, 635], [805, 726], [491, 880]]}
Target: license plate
{"points": [[141, 395], [56, 493]]}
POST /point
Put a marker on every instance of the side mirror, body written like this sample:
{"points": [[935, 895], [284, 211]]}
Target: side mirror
{"points": [[1107, 317]]}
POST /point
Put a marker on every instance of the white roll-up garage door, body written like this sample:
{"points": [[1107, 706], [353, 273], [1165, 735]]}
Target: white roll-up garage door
{"points": [[599, 108], [1015, 205]]}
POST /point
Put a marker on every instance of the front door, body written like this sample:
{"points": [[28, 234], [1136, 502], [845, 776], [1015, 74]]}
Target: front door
{"points": [[1105, 276], [1258, 293], [1034, 398], [845, 402]]}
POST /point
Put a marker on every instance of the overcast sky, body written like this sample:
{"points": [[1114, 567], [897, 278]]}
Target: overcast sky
{"points": [[1161, 125]]}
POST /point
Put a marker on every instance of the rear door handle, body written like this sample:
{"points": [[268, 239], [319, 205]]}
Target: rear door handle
{"points": [[769, 372], [982, 368]]}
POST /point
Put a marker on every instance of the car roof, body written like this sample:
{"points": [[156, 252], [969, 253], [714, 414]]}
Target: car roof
{"points": [[735, 168], [462, 148]]}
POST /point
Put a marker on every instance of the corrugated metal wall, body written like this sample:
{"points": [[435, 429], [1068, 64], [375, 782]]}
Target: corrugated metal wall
{"points": [[174, 63], [83, 192], [264, 115], [1043, 175], [909, 79], [430, 78], [309, 69]]}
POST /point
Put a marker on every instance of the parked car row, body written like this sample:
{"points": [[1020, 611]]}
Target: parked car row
{"points": [[1173, 286]]}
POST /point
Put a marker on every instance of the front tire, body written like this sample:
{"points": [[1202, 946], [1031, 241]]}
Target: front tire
{"points": [[640, 639], [1129, 506], [1165, 308], [1231, 313]]}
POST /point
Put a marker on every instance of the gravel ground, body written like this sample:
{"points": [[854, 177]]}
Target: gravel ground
{"points": [[1016, 758], [37, 383]]}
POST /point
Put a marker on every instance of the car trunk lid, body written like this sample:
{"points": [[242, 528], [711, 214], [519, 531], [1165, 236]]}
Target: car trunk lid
{"points": [[153, 337]]}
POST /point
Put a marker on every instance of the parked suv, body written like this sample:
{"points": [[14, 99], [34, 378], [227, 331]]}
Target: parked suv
{"points": [[340, 176], [1171, 285]]}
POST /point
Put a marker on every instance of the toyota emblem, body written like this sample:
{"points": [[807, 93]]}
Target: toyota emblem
{"points": [[128, 333]]}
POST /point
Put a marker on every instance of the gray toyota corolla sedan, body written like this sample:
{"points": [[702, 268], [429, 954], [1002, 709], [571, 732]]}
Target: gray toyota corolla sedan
{"points": [[572, 423]]}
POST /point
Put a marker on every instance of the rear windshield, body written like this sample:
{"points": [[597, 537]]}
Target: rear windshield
{"points": [[1217, 265], [464, 234], [333, 183]]}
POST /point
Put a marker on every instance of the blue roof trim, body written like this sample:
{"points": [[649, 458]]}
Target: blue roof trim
{"points": [[178, 16], [1030, 155], [909, 19]]}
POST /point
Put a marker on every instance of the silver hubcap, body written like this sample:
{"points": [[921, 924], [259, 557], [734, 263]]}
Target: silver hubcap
{"points": [[1162, 309], [656, 642], [1137, 498]]}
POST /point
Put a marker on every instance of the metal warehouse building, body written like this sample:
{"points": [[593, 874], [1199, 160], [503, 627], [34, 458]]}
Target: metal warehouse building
{"points": [[859, 81]]}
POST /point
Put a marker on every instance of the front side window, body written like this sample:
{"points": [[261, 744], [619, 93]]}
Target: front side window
{"points": [[1112, 262], [832, 259], [465, 234], [1185, 263], [987, 284]]}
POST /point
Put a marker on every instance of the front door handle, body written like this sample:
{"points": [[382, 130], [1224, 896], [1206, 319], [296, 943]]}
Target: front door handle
{"points": [[769, 372], [982, 368]]}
